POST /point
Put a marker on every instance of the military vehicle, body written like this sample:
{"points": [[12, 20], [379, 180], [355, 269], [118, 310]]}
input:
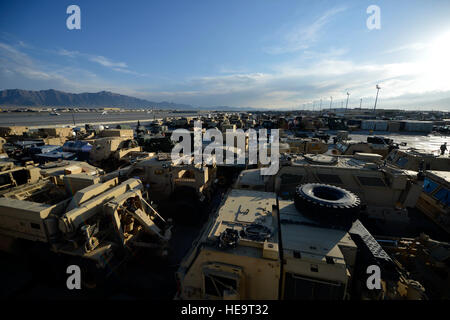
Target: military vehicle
{"points": [[107, 152], [20, 150], [185, 187], [377, 146], [155, 142], [80, 148], [58, 168], [336, 123], [2, 142], [13, 176], [414, 159], [259, 247], [12, 131], [426, 258], [305, 145], [101, 223], [44, 136], [322, 136], [56, 136], [385, 190], [434, 201]]}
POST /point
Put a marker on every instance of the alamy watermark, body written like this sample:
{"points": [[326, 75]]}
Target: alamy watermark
{"points": [[74, 20], [255, 142], [374, 20], [374, 280], [74, 278]]}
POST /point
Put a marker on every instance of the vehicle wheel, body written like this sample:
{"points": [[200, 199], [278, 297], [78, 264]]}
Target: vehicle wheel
{"points": [[329, 205]]}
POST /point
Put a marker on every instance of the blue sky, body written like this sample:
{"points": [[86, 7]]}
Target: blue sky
{"points": [[278, 54]]}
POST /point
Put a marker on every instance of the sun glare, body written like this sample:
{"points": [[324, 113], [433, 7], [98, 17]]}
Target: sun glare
{"points": [[437, 62]]}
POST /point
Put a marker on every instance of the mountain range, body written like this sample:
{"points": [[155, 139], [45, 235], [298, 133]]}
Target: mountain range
{"points": [[54, 98]]}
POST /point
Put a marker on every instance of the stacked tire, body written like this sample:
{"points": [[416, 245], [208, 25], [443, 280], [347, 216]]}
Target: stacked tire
{"points": [[327, 205]]}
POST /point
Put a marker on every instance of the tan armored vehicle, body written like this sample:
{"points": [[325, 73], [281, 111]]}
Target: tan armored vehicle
{"points": [[427, 259], [258, 247], [51, 136], [55, 136], [12, 131], [434, 201], [385, 190], [305, 145], [57, 170], [108, 152], [351, 147], [184, 186], [83, 217], [20, 179], [414, 159], [2, 142], [13, 176], [118, 133]]}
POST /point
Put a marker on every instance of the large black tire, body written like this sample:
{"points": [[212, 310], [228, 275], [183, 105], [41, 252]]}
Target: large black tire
{"points": [[328, 205]]}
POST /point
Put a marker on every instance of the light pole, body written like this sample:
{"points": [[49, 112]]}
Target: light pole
{"points": [[73, 116], [346, 105], [331, 101], [360, 103], [320, 108], [376, 99]]}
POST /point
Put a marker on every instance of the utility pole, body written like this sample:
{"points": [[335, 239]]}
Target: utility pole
{"points": [[376, 99], [320, 108], [73, 117], [360, 103], [346, 105], [331, 102]]}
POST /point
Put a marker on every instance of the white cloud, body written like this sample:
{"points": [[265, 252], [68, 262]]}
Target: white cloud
{"points": [[107, 62], [302, 37], [67, 53], [101, 60], [417, 46]]}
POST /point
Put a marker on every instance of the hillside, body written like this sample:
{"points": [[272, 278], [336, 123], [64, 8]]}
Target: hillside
{"points": [[50, 98]]}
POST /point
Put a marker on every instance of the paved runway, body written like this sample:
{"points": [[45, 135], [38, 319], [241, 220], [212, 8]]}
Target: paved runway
{"points": [[32, 119]]}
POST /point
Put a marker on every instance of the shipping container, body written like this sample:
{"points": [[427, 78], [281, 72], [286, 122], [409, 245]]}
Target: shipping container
{"points": [[419, 126], [377, 125]]}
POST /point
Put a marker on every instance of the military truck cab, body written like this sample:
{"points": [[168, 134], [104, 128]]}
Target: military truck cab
{"points": [[414, 159], [434, 200]]}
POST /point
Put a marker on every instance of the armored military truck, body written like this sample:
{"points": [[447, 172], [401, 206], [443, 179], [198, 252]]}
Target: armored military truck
{"points": [[386, 191], [183, 188], [13, 176], [434, 200], [417, 160], [259, 247], [305, 145], [107, 152], [351, 147], [99, 222]]}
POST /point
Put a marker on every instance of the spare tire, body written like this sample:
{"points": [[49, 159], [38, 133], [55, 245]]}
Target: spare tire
{"points": [[328, 205]]}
